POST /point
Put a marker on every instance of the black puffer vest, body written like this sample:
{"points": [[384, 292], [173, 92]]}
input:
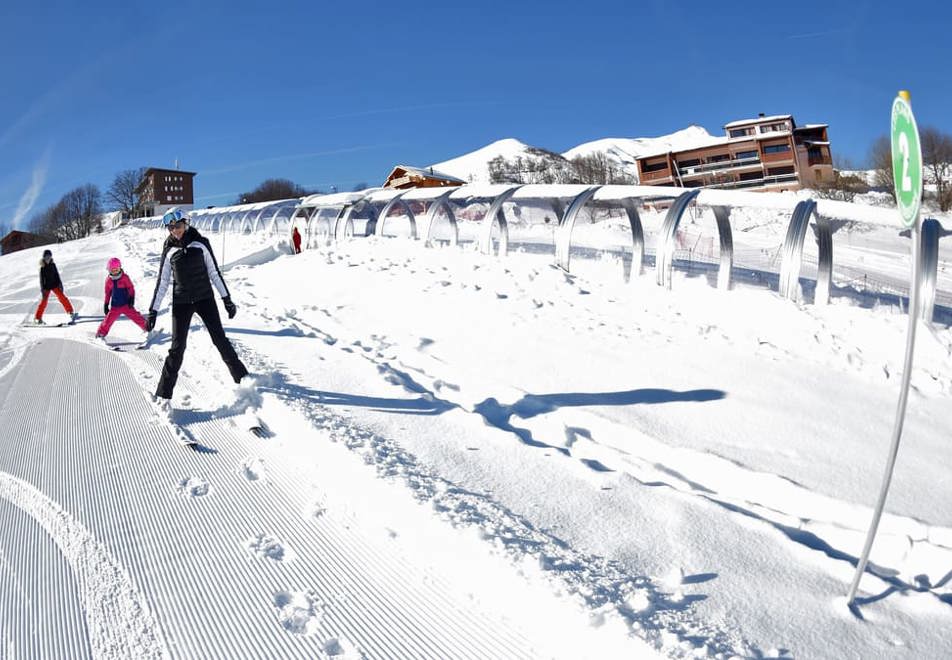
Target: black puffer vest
{"points": [[190, 281]]}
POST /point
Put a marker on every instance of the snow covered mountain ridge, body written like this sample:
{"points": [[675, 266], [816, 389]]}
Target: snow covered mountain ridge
{"points": [[474, 166]]}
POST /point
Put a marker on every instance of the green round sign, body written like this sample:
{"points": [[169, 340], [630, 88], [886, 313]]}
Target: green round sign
{"points": [[906, 161]]}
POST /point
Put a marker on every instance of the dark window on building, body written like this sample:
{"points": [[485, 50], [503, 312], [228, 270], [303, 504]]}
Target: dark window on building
{"points": [[741, 132], [776, 148], [750, 176], [779, 171], [654, 167], [815, 153], [718, 158], [689, 163], [740, 155]]}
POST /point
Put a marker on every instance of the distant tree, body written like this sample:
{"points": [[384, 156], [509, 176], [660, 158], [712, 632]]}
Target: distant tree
{"points": [[83, 210], [599, 168], [880, 161], [75, 215], [272, 189], [535, 166], [937, 161], [121, 195], [846, 183]]}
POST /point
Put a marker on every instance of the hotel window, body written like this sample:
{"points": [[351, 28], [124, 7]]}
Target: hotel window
{"points": [[654, 167], [742, 155], [773, 128], [741, 132], [776, 148]]}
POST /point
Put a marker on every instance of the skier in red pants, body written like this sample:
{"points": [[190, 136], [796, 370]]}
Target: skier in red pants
{"points": [[50, 282]]}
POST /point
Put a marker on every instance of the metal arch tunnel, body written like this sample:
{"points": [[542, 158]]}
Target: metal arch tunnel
{"points": [[496, 217], [441, 203], [929, 235], [563, 238], [666, 241], [792, 253], [397, 200], [268, 218]]}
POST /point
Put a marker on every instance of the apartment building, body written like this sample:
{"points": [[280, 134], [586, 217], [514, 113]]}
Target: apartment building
{"points": [[766, 153], [159, 190]]}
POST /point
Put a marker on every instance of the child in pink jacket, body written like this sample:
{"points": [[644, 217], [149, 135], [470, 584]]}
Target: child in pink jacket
{"points": [[120, 299]]}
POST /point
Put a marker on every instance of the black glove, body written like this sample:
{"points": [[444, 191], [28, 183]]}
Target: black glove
{"points": [[150, 320], [132, 301], [229, 307], [105, 308]]}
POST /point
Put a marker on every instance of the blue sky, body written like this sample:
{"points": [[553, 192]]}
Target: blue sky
{"points": [[335, 94]]}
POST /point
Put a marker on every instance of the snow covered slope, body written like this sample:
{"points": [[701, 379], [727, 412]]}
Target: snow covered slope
{"points": [[474, 166], [624, 151], [469, 457]]}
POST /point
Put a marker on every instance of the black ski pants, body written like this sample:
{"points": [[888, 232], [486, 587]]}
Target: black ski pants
{"points": [[207, 310]]}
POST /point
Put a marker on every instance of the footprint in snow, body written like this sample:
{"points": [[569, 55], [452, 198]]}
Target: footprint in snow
{"points": [[314, 510], [265, 546], [193, 487], [299, 612], [252, 469], [336, 647]]}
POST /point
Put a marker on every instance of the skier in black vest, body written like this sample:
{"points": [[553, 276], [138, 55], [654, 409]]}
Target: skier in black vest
{"points": [[189, 265]]}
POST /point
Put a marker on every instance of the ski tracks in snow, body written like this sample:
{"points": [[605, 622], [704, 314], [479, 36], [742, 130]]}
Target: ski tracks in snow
{"points": [[118, 619], [323, 583]]}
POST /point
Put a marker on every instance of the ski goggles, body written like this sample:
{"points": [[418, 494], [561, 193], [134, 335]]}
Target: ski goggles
{"points": [[115, 271], [174, 218]]}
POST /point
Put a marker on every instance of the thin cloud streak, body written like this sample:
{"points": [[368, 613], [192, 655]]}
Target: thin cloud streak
{"points": [[813, 35], [315, 154], [30, 195]]}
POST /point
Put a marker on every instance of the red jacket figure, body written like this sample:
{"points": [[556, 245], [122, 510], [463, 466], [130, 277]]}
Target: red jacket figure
{"points": [[296, 239]]}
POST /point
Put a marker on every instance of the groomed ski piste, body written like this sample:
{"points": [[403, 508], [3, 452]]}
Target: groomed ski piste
{"points": [[466, 456]]}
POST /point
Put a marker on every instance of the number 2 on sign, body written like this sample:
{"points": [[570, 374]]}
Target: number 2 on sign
{"points": [[904, 148]]}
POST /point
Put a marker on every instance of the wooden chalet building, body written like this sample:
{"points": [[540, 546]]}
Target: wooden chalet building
{"points": [[20, 240], [159, 190], [766, 153], [404, 176]]}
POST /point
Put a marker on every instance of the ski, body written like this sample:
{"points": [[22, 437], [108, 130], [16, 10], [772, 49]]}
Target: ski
{"points": [[144, 344], [118, 348], [249, 421]]}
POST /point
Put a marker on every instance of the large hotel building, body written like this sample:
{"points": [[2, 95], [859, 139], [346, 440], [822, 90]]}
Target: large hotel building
{"points": [[766, 153]]}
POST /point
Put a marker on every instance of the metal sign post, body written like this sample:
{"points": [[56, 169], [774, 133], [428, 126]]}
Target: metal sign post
{"points": [[907, 171]]}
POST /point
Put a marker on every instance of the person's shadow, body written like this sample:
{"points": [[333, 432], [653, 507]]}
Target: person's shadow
{"points": [[531, 405]]}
